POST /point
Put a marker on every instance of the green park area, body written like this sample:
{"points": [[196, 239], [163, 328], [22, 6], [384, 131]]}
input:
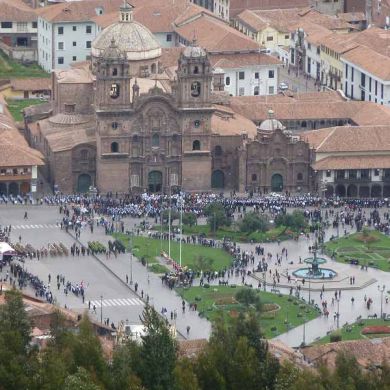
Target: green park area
{"points": [[11, 69], [15, 107], [276, 313], [369, 247], [196, 257], [362, 329], [255, 227]]}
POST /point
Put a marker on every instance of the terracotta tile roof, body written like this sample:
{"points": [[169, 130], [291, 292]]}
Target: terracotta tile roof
{"points": [[215, 35], [352, 16], [170, 56], [376, 39], [16, 11], [239, 60], [73, 76], [191, 348], [236, 6], [340, 43], [330, 22], [371, 61], [77, 10], [368, 113], [353, 162], [33, 84], [374, 138], [225, 122], [367, 352], [252, 20]]}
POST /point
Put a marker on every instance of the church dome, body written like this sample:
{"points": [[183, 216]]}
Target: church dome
{"points": [[130, 37], [271, 124]]}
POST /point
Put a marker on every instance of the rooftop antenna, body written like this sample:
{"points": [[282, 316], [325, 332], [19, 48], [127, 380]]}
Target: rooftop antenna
{"points": [[194, 40]]}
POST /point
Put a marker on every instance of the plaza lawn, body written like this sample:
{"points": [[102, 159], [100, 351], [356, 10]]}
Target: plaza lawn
{"points": [[15, 107], [354, 331], [375, 252], [11, 69], [276, 233], [149, 248], [278, 310]]}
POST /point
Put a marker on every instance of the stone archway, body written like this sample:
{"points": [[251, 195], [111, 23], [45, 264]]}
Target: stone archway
{"points": [[155, 181], [218, 179], [13, 188], [340, 190], [25, 188], [364, 191], [3, 189], [277, 182], [376, 191], [84, 181], [352, 191], [329, 191]]}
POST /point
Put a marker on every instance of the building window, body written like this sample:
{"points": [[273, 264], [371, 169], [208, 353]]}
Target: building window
{"points": [[256, 91], [287, 37], [115, 72], [34, 24], [309, 46], [381, 91], [74, 58], [303, 124], [169, 37], [88, 44], [328, 173], [60, 45], [196, 70], [84, 155], [15, 171], [241, 75], [60, 60], [155, 140], [60, 30], [376, 172], [88, 29], [352, 74], [241, 91], [346, 71], [114, 147], [300, 177], [74, 43], [74, 28], [114, 125], [254, 177], [227, 81], [256, 75], [270, 38], [365, 174], [196, 145], [271, 74], [6, 24], [218, 150], [197, 123], [271, 90]]}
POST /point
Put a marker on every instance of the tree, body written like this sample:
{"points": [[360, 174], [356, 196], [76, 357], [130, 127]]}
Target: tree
{"points": [[189, 219], [202, 263], [295, 221], [157, 355], [165, 216], [185, 377], [81, 380], [253, 222], [216, 216], [18, 361], [248, 297]]}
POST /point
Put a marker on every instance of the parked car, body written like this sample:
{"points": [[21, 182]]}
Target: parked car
{"points": [[283, 86]]}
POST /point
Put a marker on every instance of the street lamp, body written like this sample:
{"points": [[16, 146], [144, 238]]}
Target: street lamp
{"points": [[131, 256], [264, 280], [309, 291], [101, 309], [338, 313], [304, 330], [381, 290]]}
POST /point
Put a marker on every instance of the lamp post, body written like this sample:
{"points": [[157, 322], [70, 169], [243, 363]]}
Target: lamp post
{"points": [[101, 309], [131, 257], [381, 290], [309, 291], [338, 313], [181, 225], [304, 330]]}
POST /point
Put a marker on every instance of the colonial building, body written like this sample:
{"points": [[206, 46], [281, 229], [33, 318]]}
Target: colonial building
{"points": [[120, 123]]}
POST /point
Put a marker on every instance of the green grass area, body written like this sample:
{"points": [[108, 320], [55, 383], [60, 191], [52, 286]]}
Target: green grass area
{"points": [[12, 69], [158, 268], [354, 331], [372, 250], [15, 106], [149, 248], [276, 233], [280, 312]]}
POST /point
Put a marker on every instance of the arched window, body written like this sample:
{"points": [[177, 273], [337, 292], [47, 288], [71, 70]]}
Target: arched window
{"points": [[254, 177], [196, 145], [303, 124], [196, 70], [218, 150], [84, 154], [115, 72], [155, 140], [114, 125], [114, 147], [299, 177], [135, 138], [153, 69], [256, 91], [227, 80]]}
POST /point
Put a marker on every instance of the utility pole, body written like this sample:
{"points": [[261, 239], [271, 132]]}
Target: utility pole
{"points": [[131, 257], [338, 313], [101, 309], [381, 290]]}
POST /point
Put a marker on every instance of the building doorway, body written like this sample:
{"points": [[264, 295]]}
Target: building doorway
{"points": [[155, 181], [3, 189], [25, 188], [277, 183], [218, 179], [13, 189], [84, 182]]}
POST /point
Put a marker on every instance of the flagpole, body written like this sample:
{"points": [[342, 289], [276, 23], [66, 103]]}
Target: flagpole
{"points": [[181, 226], [169, 219]]}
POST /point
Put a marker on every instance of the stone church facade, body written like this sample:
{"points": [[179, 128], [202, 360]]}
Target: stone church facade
{"points": [[116, 126]]}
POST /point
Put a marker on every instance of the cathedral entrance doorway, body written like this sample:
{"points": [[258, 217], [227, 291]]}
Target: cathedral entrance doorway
{"points": [[155, 181], [25, 188], [277, 183], [218, 179], [84, 182]]}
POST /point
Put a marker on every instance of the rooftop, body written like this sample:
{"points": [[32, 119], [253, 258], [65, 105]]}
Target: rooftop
{"points": [[236, 6], [16, 11], [353, 162]]}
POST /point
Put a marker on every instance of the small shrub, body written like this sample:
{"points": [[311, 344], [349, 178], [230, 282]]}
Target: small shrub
{"points": [[206, 285], [299, 315], [295, 303], [274, 329], [335, 337], [198, 298]]}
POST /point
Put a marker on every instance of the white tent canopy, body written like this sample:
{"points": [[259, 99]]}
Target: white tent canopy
{"points": [[6, 249]]}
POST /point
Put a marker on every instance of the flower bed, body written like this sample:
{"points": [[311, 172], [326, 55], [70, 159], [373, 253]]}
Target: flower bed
{"points": [[376, 329]]}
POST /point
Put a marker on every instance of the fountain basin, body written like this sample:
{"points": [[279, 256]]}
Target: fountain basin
{"points": [[322, 273]]}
